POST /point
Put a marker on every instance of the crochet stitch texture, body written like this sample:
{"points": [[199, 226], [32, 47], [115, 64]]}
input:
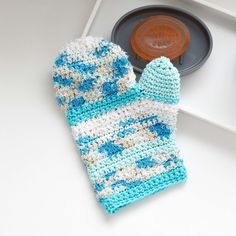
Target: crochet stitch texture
{"points": [[125, 131]]}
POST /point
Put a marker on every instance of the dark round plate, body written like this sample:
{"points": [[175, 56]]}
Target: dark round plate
{"points": [[200, 44]]}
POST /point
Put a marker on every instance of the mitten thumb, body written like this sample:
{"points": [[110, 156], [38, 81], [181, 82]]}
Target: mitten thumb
{"points": [[160, 80]]}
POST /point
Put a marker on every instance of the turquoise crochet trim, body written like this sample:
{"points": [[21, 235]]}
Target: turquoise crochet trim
{"points": [[79, 114], [148, 187], [82, 113]]}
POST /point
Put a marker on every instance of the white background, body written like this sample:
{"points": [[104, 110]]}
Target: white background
{"points": [[44, 189]]}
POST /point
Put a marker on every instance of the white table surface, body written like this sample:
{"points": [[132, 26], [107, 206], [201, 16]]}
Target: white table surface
{"points": [[44, 189]]}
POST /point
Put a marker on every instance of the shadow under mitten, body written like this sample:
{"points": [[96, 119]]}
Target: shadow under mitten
{"points": [[125, 131]]}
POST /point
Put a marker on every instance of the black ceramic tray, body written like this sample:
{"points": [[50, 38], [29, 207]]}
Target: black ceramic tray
{"points": [[200, 44]]}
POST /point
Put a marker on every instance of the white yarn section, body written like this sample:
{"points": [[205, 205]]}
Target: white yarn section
{"points": [[109, 122]]}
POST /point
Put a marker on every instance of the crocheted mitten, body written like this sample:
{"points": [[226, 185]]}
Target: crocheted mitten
{"points": [[125, 131]]}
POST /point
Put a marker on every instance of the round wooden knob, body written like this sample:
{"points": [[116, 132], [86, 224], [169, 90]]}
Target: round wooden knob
{"points": [[160, 36]]}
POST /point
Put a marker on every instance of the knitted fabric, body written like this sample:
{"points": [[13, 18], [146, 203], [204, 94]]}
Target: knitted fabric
{"points": [[125, 131]]}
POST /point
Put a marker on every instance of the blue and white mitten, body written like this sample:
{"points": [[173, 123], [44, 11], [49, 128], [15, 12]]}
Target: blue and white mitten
{"points": [[125, 131]]}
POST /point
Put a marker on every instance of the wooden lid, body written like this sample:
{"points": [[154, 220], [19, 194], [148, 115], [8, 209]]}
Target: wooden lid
{"points": [[160, 36]]}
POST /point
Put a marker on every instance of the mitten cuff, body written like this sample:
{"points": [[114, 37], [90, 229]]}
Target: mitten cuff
{"points": [[144, 188]]}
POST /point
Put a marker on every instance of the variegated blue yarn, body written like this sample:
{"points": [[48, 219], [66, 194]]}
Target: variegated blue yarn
{"points": [[125, 131]]}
